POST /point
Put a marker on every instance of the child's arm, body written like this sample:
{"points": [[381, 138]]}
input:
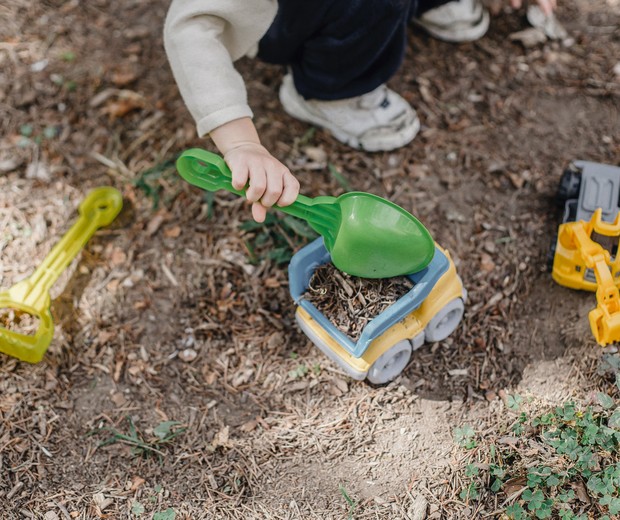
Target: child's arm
{"points": [[270, 182], [202, 39]]}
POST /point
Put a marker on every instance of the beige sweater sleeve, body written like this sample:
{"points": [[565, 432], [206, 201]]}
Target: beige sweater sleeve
{"points": [[202, 39]]}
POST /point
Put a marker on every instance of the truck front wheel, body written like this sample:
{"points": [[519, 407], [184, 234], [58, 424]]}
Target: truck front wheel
{"points": [[390, 364], [445, 321]]}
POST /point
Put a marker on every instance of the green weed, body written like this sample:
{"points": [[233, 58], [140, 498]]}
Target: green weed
{"points": [[350, 502], [150, 181], [339, 177], [276, 239], [563, 463], [299, 372], [163, 434]]}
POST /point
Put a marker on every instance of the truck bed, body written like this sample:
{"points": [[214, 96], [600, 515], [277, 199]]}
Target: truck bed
{"points": [[304, 263]]}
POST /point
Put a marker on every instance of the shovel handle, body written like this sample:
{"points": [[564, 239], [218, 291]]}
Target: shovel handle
{"points": [[206, 170], [210, 172]]}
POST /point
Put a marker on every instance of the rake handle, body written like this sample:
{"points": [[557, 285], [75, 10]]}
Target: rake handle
{"points": [[98, 209]]}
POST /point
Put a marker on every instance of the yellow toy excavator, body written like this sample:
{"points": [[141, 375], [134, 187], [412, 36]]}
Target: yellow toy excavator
{"points": [[586, 251]]}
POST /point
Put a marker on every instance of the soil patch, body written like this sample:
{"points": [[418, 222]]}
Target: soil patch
{"points": [[181, 311]]}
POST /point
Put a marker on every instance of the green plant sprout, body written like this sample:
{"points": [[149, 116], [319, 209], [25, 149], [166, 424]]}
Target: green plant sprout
{"points": [[149, 181], [276, 238], [565, 460], [164, 433], [350, 502], [299, 372]]}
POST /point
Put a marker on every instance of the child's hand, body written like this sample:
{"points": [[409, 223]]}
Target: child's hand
{"points": [[270, 182], [546, 6]]}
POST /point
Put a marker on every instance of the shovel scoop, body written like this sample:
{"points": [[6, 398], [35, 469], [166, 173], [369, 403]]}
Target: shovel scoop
{"points": [[366, 235], [31, 296]]}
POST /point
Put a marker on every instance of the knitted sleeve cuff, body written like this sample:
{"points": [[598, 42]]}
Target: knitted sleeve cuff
{"points": [[225, 115]]}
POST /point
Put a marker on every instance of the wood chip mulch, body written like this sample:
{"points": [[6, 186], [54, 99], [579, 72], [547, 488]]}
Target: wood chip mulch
{"points": [[351, 302]]}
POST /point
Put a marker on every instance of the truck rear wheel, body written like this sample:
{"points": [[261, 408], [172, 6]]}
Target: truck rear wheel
{"points": [[569, 186], [390, 364], [445, 321]]}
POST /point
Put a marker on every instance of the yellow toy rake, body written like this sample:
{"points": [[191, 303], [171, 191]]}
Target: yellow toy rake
{"points": [[32, 297]]}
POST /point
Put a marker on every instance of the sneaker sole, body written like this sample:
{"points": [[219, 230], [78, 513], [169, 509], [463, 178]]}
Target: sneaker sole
{"points": [[470, 34], [293, 108]]}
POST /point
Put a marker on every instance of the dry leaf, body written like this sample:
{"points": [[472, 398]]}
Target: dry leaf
{"points": [[155, 223], [486, 263], [221, 438], [136, 482], [341, 384], [124, 102], [8, 165], [118, 109], [112, 285], [271, 283], [118, 399], [188, 355], [118, 257], [581, 492], [249, 426], [529, 37], [172, 232], [38, 170], [104, 336], [122, 78], [101, 501], [514, 485], [242, 377]]}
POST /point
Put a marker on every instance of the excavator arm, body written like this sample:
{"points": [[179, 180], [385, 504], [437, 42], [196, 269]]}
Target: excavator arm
{"points": [[605, 318]]}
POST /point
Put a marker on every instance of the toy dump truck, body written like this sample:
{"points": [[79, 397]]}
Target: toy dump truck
{"points": [[586, 250], [429, 312]]}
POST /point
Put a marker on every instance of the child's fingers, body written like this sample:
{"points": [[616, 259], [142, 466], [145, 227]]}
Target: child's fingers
{"points": [[258, 184], [273, 190], [290, 191], [516, 4], [259, 212], [240, 175]]}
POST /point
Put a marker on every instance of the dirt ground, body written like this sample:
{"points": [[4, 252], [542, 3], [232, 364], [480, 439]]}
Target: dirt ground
{"points": [[175, 335]]}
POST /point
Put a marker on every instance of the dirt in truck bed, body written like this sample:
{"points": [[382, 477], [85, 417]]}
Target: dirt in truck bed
{"points": [[178, 383], [351, 302]]}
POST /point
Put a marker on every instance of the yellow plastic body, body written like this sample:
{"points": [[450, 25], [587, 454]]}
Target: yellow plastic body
{"points": [[31, 296], [448, 288], [582, 263]]}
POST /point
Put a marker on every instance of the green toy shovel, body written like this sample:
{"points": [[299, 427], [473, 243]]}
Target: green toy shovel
{"points": [[32, 297], [366, 235]]}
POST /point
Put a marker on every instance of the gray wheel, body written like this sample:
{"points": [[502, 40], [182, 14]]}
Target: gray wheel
{"points": [[570, 185], [445, 321], [390, 363]]}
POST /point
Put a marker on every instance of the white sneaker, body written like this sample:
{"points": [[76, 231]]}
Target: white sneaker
{"points": [[378, 121], [458, 21]]}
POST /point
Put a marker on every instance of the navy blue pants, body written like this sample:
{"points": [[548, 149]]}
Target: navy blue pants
{"points": [[339, 49]]}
